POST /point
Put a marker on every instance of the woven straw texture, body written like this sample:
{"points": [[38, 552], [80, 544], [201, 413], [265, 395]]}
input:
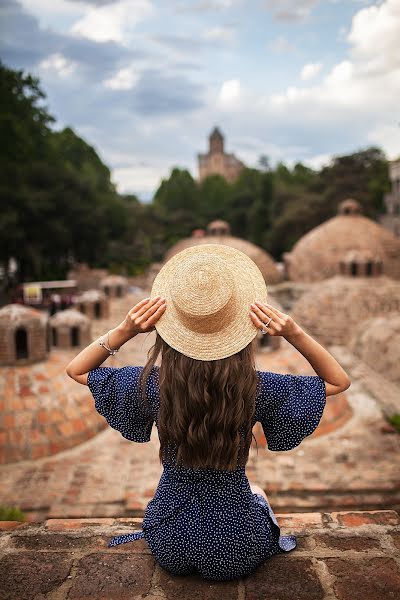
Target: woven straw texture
{"points": [[209, 289]]}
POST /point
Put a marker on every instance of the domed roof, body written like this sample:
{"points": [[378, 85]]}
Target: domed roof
{"points": [[50, 411], [92, 296], [69, 317], [114, 280], [377, 342], [332, 310], [19, 314], [218, 227], [317, 255], [262, 259]]}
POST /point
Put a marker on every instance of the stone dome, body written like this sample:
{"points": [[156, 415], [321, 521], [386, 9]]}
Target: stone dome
{"points": [[262, 259], [114, 286], [24, 334], [377, 342], [94, 303], [70, 328], [218, 227], [321, 252], [332, 310], [45, 411]]}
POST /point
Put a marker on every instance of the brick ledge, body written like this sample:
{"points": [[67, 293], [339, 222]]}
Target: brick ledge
{"points": [[346, 555]]}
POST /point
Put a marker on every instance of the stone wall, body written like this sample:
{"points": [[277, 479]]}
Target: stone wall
{"points": [[339, 556]]}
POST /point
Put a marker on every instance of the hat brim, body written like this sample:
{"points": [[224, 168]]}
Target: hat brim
{"points": [[249, 285]]}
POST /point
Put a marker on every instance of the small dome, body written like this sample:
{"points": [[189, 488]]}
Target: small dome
{"points": [[218, 227], [24, 332], [349, 207], [262, 259], [94, 303], [92, 296], [70, 317], [320, 253], [114, 280], [377, 342], [19, 314], [331, 310]]}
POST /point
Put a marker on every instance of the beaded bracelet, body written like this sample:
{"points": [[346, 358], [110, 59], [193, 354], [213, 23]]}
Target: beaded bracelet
{"points": [[102, 343]]}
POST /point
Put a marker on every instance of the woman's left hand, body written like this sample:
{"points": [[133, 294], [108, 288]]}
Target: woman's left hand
{"points": [[143, 316]]}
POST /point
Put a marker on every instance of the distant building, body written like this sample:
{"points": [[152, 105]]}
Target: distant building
{"points": [[217, 162], [391, 220]]}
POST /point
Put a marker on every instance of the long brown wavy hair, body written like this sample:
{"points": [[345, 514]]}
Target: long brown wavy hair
{"points": [[203, 407]]}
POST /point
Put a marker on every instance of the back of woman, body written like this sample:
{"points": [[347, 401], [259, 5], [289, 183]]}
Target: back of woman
{"points": [[205, 397]]}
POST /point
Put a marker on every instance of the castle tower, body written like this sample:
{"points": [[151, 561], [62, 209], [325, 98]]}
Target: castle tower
{"points": [[217, 161], [216, 140]]}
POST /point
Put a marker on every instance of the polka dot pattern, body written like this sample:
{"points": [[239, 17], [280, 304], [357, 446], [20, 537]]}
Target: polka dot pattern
{"points": [[208, 521]]}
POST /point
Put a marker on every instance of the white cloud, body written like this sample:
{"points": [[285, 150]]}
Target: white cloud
{"points": [[387, 136], [281, 45], [219, 34], [310, 71], [139, 179], [291, 10], [58, 64], [367, 82], [318, 161], [113, 22], [229, 94], [124, 79]]}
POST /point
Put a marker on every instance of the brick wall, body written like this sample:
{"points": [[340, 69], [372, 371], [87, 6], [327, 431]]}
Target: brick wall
{"points": [[339, 556]]}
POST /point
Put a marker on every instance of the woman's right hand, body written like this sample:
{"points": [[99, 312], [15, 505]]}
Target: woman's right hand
{"points": [[280, 323]]}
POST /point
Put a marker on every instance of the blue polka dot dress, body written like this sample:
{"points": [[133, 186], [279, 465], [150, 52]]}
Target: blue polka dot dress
{"points": [[208, 521]]}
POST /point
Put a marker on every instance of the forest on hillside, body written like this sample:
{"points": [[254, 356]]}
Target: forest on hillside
{"points": [[58, 203]]}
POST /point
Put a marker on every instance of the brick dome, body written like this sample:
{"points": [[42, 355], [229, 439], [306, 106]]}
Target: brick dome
{"points": [[94, 303], [45, 411], [333, 309], [24, 335], [322, 252], [70, 328], [262, 259], [377, 342], [114, 286]]}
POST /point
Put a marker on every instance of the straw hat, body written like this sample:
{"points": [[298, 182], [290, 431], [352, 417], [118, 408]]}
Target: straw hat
{"points": [[209, 289]]}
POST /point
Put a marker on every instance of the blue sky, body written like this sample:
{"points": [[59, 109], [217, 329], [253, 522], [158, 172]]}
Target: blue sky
{"points": [[145, 81]]}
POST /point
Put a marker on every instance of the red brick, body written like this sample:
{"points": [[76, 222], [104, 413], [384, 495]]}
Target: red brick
{"points": [[346, 542], [376, 517], [32, 574], [300, 520], [64, 524], [112, 576], [8, 525], [284, 578], [372, 579]]}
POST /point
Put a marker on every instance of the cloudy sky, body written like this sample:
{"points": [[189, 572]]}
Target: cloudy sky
{"points": [[145, 81]]}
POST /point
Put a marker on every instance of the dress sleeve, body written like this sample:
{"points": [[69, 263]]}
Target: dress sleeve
{"points": [[116, 396], [289, 407]]}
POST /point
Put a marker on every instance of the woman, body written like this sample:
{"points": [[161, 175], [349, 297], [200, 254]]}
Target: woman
{"points": [[207, 304]]}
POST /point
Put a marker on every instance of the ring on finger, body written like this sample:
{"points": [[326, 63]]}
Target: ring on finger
{"points": [[265, 325]]}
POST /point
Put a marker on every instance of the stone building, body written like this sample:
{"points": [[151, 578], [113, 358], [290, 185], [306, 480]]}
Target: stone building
{"points": [[217, 161], [218, 232], [86, 277], [377, 342], [114, 286], [391, 220], [24, 334], [70, 329], [348, 242], [94, 304], [332, 310]]}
